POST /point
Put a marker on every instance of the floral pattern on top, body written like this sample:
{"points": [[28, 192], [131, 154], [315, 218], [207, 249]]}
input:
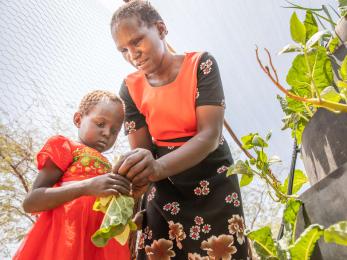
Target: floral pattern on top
{"points": [[130, 126], [86, 162], [206, 66]]}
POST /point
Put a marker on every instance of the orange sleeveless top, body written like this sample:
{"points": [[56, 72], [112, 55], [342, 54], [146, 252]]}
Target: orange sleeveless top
{"points": [[169, 109]]}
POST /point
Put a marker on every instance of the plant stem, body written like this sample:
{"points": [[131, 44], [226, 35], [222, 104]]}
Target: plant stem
{"points": [[314, 89]]}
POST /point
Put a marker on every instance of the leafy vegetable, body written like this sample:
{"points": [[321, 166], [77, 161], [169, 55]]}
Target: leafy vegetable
{"points": [[117, 221]]}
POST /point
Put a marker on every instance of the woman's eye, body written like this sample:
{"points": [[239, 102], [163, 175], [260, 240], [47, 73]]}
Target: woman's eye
{"points": [[100, 124], [123, 51]]}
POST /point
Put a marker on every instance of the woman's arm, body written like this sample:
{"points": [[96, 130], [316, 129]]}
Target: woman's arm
{"points": [[43, 197], [141, 164]]}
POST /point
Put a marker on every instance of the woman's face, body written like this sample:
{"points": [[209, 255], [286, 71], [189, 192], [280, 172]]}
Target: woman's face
{"points": [[141, 45]]}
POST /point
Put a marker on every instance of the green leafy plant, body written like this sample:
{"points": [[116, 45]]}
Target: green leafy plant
{"points": [[289, 247], [310, 76], [260, 166], [117, 222]]}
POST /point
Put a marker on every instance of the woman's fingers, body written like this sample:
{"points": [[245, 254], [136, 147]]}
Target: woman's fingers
{"points": [[137, 168], [120, 161], [142, 177], [133, 159]]}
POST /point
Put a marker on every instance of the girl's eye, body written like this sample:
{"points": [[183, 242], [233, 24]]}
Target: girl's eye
{"points": [[100, 124], [123, 51]]}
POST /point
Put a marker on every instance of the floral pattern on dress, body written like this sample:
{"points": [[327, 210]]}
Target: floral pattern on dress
{"points": [[196, 256], [176, 233], [220, 247], [237, 227], [130, 126], [221, 140], [233, 199], [194, 231], [151, 194], [222, 169], [173, 207], [206, 66], [202, 189], [160, 250]]}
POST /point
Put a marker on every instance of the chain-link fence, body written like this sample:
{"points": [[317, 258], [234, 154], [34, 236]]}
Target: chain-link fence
{"points": [[51, 54]]}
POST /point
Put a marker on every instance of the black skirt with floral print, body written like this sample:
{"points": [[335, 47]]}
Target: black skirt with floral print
{"points": [[195, 214]]}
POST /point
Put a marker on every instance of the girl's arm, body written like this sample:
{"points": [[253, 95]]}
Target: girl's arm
{"points": [[43, 197]]}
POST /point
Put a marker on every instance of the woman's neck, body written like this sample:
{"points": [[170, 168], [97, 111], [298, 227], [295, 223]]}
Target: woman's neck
{"points": [[167, 71]]}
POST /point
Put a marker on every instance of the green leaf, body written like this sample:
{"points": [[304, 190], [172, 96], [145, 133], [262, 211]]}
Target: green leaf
{"points": [[333, 44], [258, 141], [247, 141], [239, 167], [341, 84], [291, 48], [304, 245], [297, 29], [263, 243], [245, 180], [310, 24], [336, 233], [315, 38], [290, 215], [343, 7], [117, 216], [299, 77], [262, 157], [299, 180], [343, 69], [329, 93], [268, 136]]}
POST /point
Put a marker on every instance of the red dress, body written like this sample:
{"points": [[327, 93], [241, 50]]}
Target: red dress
{"points": [[65, 232]]}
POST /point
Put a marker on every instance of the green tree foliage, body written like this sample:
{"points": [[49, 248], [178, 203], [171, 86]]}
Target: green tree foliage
{"points": [[17, 171]]}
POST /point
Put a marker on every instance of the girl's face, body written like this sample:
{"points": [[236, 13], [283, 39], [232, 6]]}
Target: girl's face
{"points": [[100, 127], [140, 45]]}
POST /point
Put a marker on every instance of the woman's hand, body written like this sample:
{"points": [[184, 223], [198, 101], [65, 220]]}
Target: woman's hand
{"points": [[140, 167], [107, 184]]}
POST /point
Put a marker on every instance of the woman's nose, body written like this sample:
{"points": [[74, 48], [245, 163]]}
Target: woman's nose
{"points": [[134, 54]]}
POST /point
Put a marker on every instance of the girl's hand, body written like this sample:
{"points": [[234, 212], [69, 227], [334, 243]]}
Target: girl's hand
{"points": [[108, 184]]}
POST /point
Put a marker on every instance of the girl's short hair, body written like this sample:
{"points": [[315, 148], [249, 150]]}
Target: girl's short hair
{"points": [[95, 97], [143, 10]]}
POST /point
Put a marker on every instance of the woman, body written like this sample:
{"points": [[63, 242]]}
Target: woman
{"points": [[174, 107]]}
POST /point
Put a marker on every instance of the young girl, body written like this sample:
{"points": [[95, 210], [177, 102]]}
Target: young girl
{"points": [[72, 174], [174, 106]]}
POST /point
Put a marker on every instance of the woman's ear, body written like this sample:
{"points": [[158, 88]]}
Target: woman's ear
{"points": [[161, 29], [77, 117]]}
